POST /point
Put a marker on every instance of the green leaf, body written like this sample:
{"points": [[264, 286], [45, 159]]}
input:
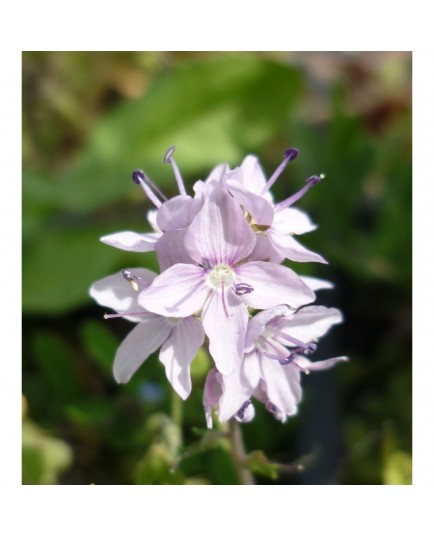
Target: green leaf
{"points": [[200, 364], [40, 200], [58, 366], [43, 457], [213, 110], [100, 344], [60, 266], [258, 463], [156, 467], [157, 464], [398, 469]]}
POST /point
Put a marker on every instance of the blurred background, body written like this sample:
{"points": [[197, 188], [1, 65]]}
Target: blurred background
{"points": [[89, 119]]}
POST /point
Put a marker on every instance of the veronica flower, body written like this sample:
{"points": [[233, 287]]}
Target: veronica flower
{"points": [[170, 214], [223, 280], [278, 222], [133, 241], [277, 342], [179, 338]]}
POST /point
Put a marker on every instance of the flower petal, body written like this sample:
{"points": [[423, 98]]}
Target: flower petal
{"points": [[226, 333], [138, 345], [257, 324], [264, 251], [219, 233], [179, 291], [253, 177], [280, 391], [178, 212], [151, 216], [309, 323], [170, 249], [131, 241], [289, 248], [259, 208], [316, 284], [320, 365], [211, 394], [273, 284], [178, 352], [115, 292], [292, 221], [239, 387], [217, 173]]}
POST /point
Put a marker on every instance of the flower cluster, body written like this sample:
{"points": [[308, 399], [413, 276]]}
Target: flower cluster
{"points": [[222, 281]]}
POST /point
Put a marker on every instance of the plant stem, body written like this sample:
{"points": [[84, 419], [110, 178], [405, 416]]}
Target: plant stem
{"points": [[239, 453]]}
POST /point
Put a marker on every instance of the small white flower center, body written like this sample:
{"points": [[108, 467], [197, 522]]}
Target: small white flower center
{"points": [[220, 275]]}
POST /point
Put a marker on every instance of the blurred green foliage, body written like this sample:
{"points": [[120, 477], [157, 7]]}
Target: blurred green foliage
{"points": [[89, 119]]}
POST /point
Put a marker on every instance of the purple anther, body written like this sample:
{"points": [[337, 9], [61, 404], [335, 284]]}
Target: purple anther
{"points": [[206, 264], [246, 412], [150, 189], [278, 414], [240, 412], [243, 288], [289, 359], [311, 181], [291, 154], [169, 153], [310, 348], [129, 276], [132, 279], [169, 160], [138, 175]]}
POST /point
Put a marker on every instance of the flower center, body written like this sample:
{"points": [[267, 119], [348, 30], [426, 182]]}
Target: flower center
{"points": [[220, 276]]}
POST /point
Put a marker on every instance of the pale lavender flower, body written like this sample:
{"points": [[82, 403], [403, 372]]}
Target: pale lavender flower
{"points": [[277, 222], [179, 338], [277, 342], [220, 253], [171, 215], [223, 281], [133, 241]]}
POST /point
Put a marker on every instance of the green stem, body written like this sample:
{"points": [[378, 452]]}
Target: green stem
{"points": [[239, 453]]}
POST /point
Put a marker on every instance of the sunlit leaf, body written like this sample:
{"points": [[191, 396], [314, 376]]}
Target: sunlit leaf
{"points": [[211, 110], [44, 457]]}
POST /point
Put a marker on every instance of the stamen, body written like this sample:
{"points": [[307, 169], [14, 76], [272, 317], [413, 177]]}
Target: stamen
{"points": [[148, 181], [223, 300], [140, 178], [311, 347], [278, 352], [206, 264], [272, 408], [122, 315], [311, 181], [289, 359], [243, 288], [240, 412], [275, 357], [289, 154], [132, 279], [169, 160], [300, 368]]}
